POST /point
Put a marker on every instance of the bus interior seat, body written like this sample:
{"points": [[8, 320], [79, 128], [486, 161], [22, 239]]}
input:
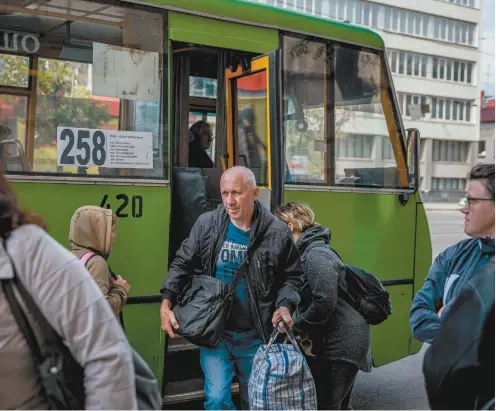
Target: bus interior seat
{"points": [[15, 162], [195, 192]]}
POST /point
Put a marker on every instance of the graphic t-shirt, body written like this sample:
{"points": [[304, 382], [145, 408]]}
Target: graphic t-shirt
{"points": [[232, 254]]}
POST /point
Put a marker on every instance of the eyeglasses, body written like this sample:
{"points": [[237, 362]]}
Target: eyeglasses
{"points": [[474, 200]]}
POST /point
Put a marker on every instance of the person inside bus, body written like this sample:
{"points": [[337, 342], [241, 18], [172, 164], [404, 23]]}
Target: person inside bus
{"points": [[266, 295], [91, 236], [72, 304], [458, 263], [200, 140], [340, 335]]}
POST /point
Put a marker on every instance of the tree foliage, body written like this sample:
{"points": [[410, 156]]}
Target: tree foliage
{"points": [[63, 98]]}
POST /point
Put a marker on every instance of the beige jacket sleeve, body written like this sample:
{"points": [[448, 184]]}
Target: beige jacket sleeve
{"points": [[115, 294]]}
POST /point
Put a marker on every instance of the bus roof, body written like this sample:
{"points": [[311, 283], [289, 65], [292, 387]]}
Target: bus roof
{"points": [[269, 16]]}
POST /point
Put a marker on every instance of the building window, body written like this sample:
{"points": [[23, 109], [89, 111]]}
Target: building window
{"points": [[450, 151], [354, 146], [448, 184]]}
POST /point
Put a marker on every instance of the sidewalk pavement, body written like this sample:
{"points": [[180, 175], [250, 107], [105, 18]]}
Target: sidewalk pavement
{"points": [[442, 206]]}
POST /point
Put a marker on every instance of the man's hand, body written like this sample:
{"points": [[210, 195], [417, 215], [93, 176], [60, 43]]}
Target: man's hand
{"points": [[282, 313], [440, 312], [168, 319]]}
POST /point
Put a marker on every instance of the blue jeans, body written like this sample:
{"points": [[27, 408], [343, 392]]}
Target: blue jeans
{"points": [[234, 354]]}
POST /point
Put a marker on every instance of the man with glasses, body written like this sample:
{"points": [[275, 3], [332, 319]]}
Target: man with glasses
{"points": [[457, 264]]}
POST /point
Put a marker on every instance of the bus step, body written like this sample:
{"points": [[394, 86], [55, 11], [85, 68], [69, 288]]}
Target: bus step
{"points": [[180, 344], [188, 390]]}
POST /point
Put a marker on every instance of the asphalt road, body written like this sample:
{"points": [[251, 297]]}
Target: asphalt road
{"points": [[400, 385]]}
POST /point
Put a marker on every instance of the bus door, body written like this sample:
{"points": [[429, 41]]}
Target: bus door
{"points": [[253, 108]]}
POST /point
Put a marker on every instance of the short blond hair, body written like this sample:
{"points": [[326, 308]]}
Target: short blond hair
{"points": [[298, 214]]}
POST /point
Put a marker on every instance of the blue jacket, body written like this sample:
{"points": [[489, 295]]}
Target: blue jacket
{"points": [[450, 271]]}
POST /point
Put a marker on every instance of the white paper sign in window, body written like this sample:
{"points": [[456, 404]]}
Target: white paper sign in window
{"points": [[104, 148], [125, 73]]}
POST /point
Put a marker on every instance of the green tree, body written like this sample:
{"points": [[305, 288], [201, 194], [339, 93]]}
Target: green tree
{"points": [[63, 98]]}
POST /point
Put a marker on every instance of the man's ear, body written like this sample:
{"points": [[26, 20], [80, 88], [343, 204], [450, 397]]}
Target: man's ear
{"points": [[256, 192]]}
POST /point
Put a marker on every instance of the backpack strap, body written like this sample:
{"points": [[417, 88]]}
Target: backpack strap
{"points": [[86, 257]]}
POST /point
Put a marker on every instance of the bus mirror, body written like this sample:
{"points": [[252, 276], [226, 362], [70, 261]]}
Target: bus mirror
{"points": [[413, 157]]}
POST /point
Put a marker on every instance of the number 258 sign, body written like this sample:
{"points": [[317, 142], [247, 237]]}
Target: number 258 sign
{"points": [[104, 148]]}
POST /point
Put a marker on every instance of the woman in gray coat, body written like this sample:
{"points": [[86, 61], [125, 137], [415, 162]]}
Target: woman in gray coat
{"points": [[339, 333]]}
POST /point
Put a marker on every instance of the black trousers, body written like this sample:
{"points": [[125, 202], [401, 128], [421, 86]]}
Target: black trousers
{"points": [[334, 382]]}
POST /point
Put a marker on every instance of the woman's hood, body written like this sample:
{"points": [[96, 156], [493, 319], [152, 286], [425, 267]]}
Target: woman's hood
{"points": [[91, 228], [317, 234]]}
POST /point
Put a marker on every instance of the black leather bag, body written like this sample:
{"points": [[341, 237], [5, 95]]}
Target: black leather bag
{"points": [[204, 306]]}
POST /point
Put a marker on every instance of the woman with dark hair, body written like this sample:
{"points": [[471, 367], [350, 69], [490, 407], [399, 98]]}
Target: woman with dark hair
{"points": [[70, 301], [340, 335]]}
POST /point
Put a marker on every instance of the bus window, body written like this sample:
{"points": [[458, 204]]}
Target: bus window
{"points": [[340, 124], [363, 116], [82, 91]]}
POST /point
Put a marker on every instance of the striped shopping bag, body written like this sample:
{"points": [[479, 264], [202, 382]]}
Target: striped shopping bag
{"points": [[280, 377]]}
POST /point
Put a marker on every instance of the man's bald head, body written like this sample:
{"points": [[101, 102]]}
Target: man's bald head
{"points": [[240, 171], [239, 191]]}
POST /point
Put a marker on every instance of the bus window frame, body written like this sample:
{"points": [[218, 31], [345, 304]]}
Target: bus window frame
{"points": [[387, 95], [31, 92], [257, 65]]}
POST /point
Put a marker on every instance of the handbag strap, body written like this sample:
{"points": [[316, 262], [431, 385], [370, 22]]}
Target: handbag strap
{"points": [[48, 333]]}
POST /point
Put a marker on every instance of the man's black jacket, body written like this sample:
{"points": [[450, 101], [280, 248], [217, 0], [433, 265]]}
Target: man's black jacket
{"points": [[274, 275]]}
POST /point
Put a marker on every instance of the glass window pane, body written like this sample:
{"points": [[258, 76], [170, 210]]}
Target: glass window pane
{"points": [[14, 70], [441, 109], [417, 65], [464, 30], [401, 69], [304, 84], [424, 66], [341, 8], [435, 63], [425, 25], [469, 73], [450, 30], [411, 23], [387, 18], [352, 126], [443, 29], [468, 109], [366, 14], [402, 21], [471, 29], [448, 69], [350, 4], [462, 72], [358, 12], [409, 64], [13, 115], [250, 152], [394, 61], [456, 68], [395, 19], [418, 20], [375, 15], [441, 69], [434, 108], [408, 103], [448, 109]]}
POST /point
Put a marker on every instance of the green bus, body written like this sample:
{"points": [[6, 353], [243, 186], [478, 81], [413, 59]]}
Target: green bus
{"points": [[98, 98]]}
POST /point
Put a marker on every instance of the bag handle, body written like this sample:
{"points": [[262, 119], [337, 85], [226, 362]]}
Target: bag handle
{"points": [[289, 334]]}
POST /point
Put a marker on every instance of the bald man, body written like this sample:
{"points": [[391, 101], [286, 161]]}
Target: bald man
{"points": [[268, 293]]}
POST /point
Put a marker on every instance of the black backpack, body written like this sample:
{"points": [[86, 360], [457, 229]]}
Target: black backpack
{"points": [[365, 293]]}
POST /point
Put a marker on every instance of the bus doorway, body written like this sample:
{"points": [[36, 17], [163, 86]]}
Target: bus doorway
{"points": [[223, 103]]}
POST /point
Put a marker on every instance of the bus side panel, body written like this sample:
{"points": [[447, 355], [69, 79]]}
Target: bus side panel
{"points": [[423, 259], [139, 253], [374, 232]]}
